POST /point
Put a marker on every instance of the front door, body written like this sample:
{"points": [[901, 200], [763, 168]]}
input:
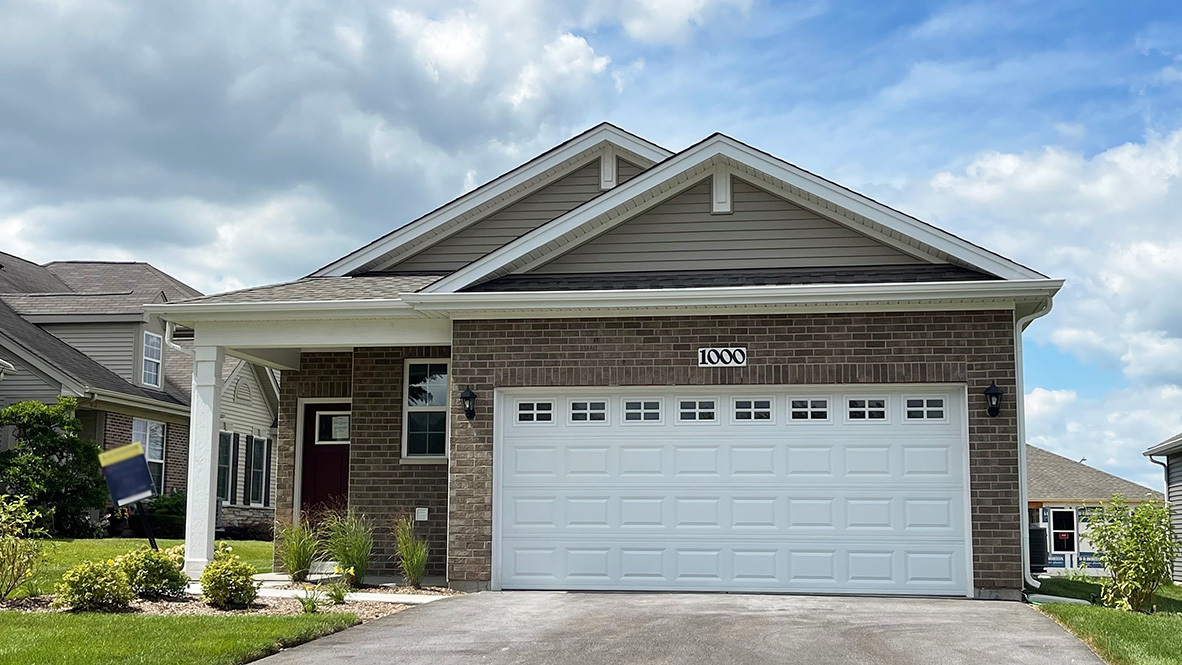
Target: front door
{"points": [[325, 482]]}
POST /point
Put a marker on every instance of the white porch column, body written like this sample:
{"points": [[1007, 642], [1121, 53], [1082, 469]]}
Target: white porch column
{"points": [[204, 418]]}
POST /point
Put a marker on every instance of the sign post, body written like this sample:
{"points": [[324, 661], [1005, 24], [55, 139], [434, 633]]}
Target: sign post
{"points": [[130, 481]]}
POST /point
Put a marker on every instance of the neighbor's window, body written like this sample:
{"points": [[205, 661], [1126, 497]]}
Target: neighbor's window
{"points": [[425, 412], [150, 434], [225, 455], [153, 357], [259, 482]]}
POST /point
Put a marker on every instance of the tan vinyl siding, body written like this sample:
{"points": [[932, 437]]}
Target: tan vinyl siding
{"points": [[113, 345], [1174, 496], [245, 411], [24, 384], [626, 171], [764, 231], [509, 223]]}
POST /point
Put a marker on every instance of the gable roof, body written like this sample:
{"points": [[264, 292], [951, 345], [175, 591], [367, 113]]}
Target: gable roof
{"points": [[119, 276], [314, 289], [723, 153], [1170, 446], [123, 302], [504, 189], [20, 276], [1054, 477]]}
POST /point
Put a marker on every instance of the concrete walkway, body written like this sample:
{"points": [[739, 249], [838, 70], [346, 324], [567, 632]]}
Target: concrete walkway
{"points": [[609, 628]]}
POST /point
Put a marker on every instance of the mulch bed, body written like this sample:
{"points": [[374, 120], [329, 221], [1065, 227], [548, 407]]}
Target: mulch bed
{"points": [[194, 606]]}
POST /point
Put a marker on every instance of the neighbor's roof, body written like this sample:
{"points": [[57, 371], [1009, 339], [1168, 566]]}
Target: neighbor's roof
{"points": [[363, 287], [1168, 447], [119, 276], [1050, 476], [124, 302], [20, 276]]}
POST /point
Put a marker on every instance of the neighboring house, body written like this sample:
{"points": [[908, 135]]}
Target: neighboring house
{"points": [[1171, 450], [619, 367], [1060, 492], [80, 328]]}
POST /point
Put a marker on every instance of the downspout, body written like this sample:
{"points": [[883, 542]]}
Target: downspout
{"points": [[1024, 502], [1165, 472], [169, 328]]}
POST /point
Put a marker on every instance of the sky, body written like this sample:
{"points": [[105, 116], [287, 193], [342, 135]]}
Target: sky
{"points": [[235, 144]]}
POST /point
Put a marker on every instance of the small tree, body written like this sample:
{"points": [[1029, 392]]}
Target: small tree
{"points": [[1137, 545], [52, 465]]}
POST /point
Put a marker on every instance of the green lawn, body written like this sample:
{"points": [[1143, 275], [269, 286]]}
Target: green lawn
{"points": [[1169, 598], [1123, 638], [91, 639], [65, 554]]}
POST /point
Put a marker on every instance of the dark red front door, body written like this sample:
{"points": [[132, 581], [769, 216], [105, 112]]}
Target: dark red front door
{"points": [[327, 428]]}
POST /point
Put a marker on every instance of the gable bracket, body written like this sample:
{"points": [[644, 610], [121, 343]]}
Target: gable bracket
{"points": [[721, 197], [607, 168]]}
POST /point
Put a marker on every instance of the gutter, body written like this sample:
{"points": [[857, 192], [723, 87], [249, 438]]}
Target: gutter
{"points": [[139, 402], [1023, 500]]}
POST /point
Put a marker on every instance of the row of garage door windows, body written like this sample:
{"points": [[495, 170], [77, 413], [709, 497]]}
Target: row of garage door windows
{"points": [[744, 410]]}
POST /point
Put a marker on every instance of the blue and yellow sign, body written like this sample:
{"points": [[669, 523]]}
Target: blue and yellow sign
{"points": [[126, 471]]}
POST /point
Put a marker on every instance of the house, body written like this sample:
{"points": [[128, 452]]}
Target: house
{"points": [[80, 328], [1060, 492], [1171, 450], [620, 367]]}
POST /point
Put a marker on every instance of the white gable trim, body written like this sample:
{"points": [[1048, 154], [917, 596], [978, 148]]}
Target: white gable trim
{"points": [[630, 146], [562, 234]]}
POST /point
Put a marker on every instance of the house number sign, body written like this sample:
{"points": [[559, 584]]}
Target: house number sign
{"points": [[726, 356]]}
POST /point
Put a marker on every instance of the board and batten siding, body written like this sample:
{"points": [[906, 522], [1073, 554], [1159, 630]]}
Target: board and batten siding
{"points": [[764, 231], [1174, 496], [112, 345], [509, 223]]}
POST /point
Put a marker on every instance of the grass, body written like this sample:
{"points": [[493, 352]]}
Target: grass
{"points": [[65, 554], [91, 639], [1123, 638], [1168, 598]]}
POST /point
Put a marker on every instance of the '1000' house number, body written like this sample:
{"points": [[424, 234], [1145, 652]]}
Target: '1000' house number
{"points": [[727, 356]]}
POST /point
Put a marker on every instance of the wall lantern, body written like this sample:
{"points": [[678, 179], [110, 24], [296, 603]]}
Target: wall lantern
{"points": [[468, 399], [993, 394]]}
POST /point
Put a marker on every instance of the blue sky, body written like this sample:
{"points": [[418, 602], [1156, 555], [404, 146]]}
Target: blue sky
{"points": [[236, 144]]}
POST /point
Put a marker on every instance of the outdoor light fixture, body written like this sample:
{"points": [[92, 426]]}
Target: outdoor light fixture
{"points": [[993, 394], [468, 398]]}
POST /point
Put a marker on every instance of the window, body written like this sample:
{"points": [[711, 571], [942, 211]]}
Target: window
{"points": [[153, 357], [646, 411], [425, 417], [332, 427], [260, 458], [588, 411], [924, 408], [1063, 530], [695, 410], [808, 408], [150, 434], [873, 408], [747, 410], [225, 464], [535, 412]]}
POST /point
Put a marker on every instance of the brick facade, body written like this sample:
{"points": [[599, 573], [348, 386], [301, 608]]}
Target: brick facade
{"points": [[973, 347], [117, 432]]}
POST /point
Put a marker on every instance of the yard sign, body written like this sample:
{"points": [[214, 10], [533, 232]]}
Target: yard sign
{"points": [[129, 480]]}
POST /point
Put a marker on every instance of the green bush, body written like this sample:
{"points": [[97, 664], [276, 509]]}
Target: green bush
{"points": [[1137, 545], [336, 593], [228, 583], [312, 599], [297, 546], [94, 586], [22, 552], [348, 540], [153, 574], [412, 552]]}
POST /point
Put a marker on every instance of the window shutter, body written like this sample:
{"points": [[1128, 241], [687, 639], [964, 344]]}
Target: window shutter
{"points": [[233, 472], [267, 475], [246, 476]]}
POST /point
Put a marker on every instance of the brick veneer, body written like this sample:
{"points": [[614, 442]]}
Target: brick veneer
{"points": [[973, 347]]}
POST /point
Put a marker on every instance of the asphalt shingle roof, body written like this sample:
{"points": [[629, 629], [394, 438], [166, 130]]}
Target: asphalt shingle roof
{"points": [[363, 287], [1051, 476], [20, 276], [115, 277], [126, 302]]}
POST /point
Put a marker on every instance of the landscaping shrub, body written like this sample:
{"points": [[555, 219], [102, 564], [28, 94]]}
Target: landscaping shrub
{"points": [[1137, 546], [412, 552], [166, 513], [94, 586], [297, 546], [153, 574], [348, 540], [311, 600], [22, 553], [53, 465], [228, 583], [336, 593]]}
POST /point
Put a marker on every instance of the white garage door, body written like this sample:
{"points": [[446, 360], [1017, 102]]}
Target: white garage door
{"points": [[732, 489]]}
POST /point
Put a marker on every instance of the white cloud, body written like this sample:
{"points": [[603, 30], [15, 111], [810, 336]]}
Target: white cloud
{"points": [[454, 47], [568, 61], [669, 21], [1042, 403]]}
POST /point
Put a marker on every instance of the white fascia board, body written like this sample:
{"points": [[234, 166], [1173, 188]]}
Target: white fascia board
{"points": [[112, 397], [492, 190], [894, 295], [1167, 447], [532, 245], [284, 310]]}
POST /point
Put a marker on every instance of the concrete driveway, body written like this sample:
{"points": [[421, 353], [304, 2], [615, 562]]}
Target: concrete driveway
{"points": [[609, 628]]}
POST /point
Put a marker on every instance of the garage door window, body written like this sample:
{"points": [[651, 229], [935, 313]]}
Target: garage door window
{"points": [[541, 413], [588, 412], [642, 411], [749, 410], [863, 409], [808, 408], [425, 430], [924, 408], [696, 410]]}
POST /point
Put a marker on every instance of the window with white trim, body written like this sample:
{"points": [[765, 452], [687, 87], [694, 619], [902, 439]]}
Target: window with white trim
{"points": [[642, 410], [425, 406], [588, 411], [924, 408], [535, 412], [751, 410], [259, 470], [696, 410], [867, 408], [225, 464], [150, 434], [153, 359], [808, 408]]}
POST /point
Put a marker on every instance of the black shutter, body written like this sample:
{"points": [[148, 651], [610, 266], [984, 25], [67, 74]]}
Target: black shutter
{"points": [[267, 476], [247, 474], [233, 472]]}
